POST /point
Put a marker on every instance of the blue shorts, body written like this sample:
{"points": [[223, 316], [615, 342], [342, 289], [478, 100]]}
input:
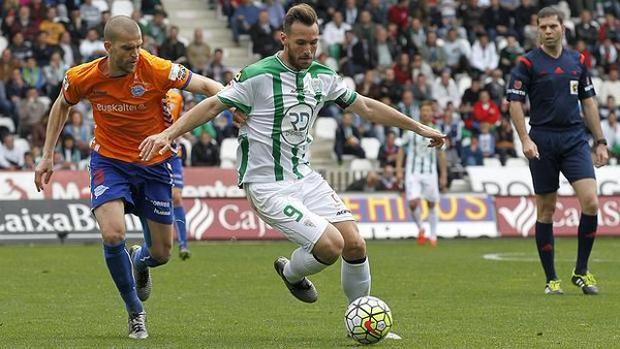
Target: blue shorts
{"points": [[146, 190], [177, 171], [564, 151]]}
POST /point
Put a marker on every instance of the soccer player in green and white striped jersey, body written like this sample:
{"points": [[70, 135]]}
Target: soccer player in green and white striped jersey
{"points": [[421, 174], [281, 95]]}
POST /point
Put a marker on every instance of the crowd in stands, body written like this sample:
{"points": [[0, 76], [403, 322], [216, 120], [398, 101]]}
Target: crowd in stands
{"points": [[456, 53]]}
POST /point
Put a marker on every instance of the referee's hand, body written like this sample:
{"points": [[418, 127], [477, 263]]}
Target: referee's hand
{"points": [[530, 150]]}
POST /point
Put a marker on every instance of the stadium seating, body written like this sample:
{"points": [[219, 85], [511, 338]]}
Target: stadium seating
{"points": [[325, 128], [516, 162], [121, 7], [360, 167], [8, 123], [3, 43], [102, 5], [371, 147], [492, 162]]}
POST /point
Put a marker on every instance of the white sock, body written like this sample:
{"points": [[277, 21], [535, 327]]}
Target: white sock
{"points": [[355, 279], [417, 213], [302, 264], [433, 219]]}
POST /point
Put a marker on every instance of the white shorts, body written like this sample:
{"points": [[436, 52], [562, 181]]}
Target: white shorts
{"points": [[422, 186], [300, 209]]}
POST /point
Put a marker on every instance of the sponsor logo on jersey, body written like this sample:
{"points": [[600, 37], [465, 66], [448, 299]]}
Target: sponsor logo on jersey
{"points": [[99, 190], [119, 107], [137, 90], [177, 72], [574, 87]]}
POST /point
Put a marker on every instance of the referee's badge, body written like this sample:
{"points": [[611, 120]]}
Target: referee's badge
{"points": [[573, 87]]}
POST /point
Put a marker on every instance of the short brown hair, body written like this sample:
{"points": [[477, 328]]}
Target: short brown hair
{"points": [[550, 11], [299, 13]]}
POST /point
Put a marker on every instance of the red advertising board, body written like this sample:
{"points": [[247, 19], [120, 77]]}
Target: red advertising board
{"points": [[516, 216]]}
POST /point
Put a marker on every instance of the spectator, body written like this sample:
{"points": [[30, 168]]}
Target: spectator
{"points": [[587, 29], [11, 155], [402, 69], [388, 151], [368, 86], [610, 28], [79, 131], [54, 73], [150, 7], [485, 110], [419, 66], [21, 49], [486, 140], [388, 181], [609, 107], [471, 16], [90, 13], [205, 152], [452, 126], [509, 54], [355, 55], [78, 27], [611, 131], [457, 51], [415, 36], [38, 10], [42, 51], [496, 86], [156, 27], [399, 13], [484, 56], [244, 18], [105, 17], [334, 35], [25, 25], [365, 29], [70, 152], [581, 47], [31, 111], [504, 143], [7, 64], [607, 54], [70, 51], [422, 89], [16, 87], [7, 108], [610, 86], [198, 52], [378, 11], [390, 87], [495, 19], [263, 42], [530, 33], [433, 53], [216, 69], [92, 47], [408, 105], [472, 155], [445, 90], [172, 49], [33, 74], [29, 162], [349, 12], [384, 50], [52, 26], [348, 139], [523, 15], [276, 13]]}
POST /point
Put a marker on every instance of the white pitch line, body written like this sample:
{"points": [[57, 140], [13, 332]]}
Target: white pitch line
{"points": [[523, 257]]}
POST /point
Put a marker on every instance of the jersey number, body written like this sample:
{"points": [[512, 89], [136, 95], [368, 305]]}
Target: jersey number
{"points": [[292, 212]]}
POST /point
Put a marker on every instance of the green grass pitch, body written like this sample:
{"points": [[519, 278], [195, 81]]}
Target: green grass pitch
{"points": [[228, 296]]}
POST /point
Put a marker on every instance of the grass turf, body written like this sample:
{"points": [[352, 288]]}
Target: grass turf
{"points": [[228, 296]]}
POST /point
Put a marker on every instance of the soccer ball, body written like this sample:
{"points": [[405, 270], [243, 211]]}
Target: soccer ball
{"points": [[368, 320]]}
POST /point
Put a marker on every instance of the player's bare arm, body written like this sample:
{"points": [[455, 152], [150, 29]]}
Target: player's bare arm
{"points": [[593, 122], [203, 85], [57, 118], [443, 170], [200, 114], [530, 150], [380, 113]]}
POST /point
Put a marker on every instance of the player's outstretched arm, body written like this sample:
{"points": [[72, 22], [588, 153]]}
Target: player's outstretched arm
{"points": [[593, 122], [530, 150], [380, 113], [198, 115], [203, 85], [57, 118]]}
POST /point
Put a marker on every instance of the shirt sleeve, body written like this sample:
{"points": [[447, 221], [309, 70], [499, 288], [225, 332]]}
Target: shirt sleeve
{"points": [[519, 81], [585, 88], [340, 93], [70, 89], [238, 94], [169, 75]]}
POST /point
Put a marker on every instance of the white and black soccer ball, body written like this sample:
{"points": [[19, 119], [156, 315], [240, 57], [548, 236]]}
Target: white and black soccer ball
{"points": [[368, 320]]}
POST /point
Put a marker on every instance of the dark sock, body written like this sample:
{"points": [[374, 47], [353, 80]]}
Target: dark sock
{"points": [[143, 259], [119, 264], [545, 245], [356, 261], [586, 234], [179, 222]]}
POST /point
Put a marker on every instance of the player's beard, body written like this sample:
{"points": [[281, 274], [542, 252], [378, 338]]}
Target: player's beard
{"points": [[297, 63]]}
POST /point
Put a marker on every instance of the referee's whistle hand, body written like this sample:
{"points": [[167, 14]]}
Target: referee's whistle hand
{"points": [[530, 150]]}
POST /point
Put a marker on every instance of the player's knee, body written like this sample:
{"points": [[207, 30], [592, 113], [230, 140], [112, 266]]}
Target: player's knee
{"points": [[330, 248], [113, 235], [177, 198], [590, 205], [546, 210], [354, 248], [413, 204], [162, 256]]}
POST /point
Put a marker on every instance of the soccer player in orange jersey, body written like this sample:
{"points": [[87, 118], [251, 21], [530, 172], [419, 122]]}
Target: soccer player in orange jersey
{"points": [[126, 89], [174, 105]]}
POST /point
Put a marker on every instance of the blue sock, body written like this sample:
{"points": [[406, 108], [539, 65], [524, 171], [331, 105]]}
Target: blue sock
{"points": [[585, 240], [143, 259], [545, 245], [119, 264], [179, 222]]}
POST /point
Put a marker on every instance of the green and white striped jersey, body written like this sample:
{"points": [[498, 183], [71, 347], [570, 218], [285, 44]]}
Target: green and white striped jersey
{"points": [[282, 105], [421, 159]]}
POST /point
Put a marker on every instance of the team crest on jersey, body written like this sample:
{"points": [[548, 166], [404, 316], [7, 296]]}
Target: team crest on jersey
{"points": [[177, 72], [137, 90], [573, 87], [317, 85]]}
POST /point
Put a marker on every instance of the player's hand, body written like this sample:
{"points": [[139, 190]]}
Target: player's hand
{"points": [[530, 150], [155, 144], [43, 172], [600, 155], [239, 118]]}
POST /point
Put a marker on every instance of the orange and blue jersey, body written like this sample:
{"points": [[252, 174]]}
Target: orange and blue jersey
{"points": [[174, 107], [128, 108]]}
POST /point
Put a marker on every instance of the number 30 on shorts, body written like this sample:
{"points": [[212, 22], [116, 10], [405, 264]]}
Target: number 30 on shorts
{"points": [[292, 212]]}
